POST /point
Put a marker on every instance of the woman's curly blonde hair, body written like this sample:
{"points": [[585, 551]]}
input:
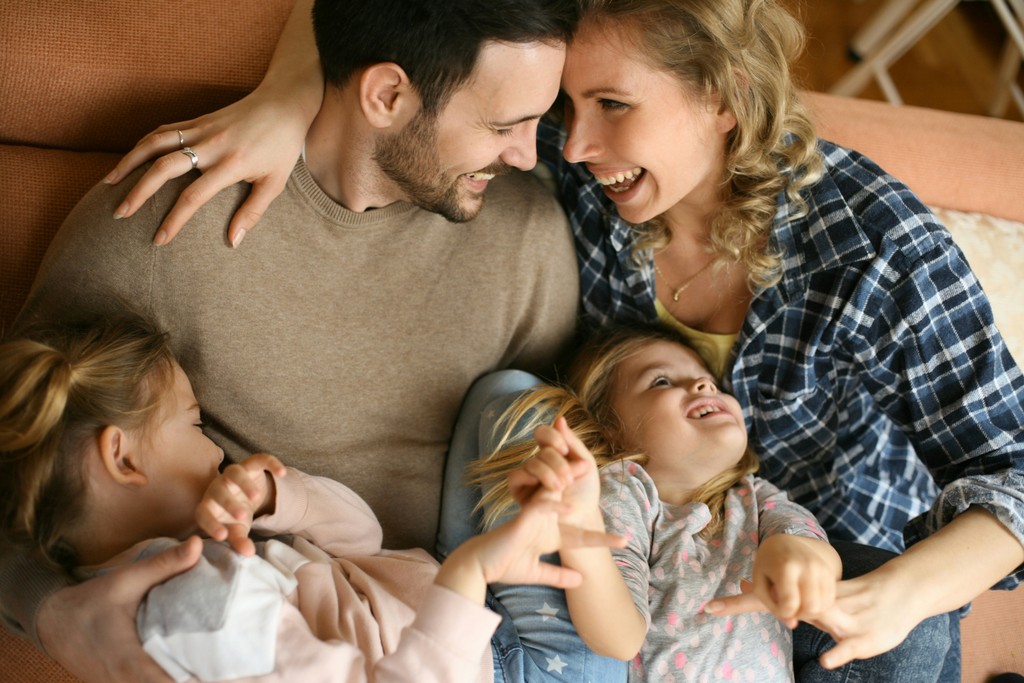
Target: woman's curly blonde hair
{"points": [[738, 51]]}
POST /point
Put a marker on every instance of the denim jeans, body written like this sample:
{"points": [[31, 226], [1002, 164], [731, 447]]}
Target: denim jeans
{"points": [[536, 640]]}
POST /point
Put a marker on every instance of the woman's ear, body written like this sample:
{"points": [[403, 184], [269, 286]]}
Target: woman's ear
{"points": [[386, 95], [119, 455], [725, 120]]}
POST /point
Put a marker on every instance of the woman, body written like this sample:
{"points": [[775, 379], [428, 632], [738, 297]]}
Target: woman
{"points": [[874, 383]]}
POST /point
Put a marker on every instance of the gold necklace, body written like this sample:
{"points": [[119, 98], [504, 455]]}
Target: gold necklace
{"points": [[686, 283]]}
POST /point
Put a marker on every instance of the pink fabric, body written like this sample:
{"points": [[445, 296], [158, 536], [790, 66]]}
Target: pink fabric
{"points": [[368, 615]]}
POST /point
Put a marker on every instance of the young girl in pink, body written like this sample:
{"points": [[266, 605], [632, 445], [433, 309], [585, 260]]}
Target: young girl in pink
{"points": [[103, 462], [677, 480]]}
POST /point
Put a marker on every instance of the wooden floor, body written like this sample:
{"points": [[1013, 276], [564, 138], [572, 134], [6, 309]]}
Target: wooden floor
{"points": [[953, 67]]}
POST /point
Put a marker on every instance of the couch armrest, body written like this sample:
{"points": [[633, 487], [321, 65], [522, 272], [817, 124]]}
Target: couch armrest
{"points": [[954, 161]]}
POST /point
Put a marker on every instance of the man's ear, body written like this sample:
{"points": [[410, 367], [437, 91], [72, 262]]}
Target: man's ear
{"points": [[119, 456], [386, 95]]}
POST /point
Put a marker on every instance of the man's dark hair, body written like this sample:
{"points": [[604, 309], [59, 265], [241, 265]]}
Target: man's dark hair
{"points": [[436, 42]]}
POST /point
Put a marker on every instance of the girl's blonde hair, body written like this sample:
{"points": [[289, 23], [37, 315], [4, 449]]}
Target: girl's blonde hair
{"points": [[585, 401], [740, 52], [59, 387]]}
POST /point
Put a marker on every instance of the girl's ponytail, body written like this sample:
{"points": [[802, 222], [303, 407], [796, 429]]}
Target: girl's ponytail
{"points": [[59, 387]]}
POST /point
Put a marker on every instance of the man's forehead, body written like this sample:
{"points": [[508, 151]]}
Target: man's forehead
{"points": [[513, 82]]}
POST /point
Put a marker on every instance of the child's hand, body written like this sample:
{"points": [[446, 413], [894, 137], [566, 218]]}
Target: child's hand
{"points": [[794, 577], [242, 492], [511, 552], [563, 466]]}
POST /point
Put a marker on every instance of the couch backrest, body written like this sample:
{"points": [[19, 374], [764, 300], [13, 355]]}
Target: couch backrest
{"points": [[82, 81], [96, 76], [954, 161]]}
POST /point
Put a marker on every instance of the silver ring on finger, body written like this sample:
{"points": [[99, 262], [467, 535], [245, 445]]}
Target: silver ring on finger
{"points": [[187, 151], [181, 140]]}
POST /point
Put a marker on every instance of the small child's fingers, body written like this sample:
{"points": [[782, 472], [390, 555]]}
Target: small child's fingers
{"points": [[226, 497], [248, 484], [735, 604], [786, 592], [558, 577], [817, 594], [547, 436], [550, 469], [522, 485], [209, 520], [575, 445], [787, 603], [266, 462], [238, 538]]}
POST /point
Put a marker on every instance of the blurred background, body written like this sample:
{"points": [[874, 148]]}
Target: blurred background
{"points": [[954, 66]]}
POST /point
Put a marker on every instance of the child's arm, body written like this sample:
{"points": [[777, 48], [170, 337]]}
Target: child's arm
{"points": [[256, 139], [795, 570], [256, 495], [601, 606], [511, 552]]}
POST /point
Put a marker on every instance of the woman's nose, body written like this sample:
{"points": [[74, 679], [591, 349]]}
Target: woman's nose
{"points": [[580, 144]]}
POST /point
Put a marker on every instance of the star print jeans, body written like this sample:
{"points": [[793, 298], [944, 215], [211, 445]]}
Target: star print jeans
{"points": [[535, 641]]}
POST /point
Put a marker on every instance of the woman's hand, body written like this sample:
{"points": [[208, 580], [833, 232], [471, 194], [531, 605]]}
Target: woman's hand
{"points": [[241, 493], [90, 627], [257, 139], [872, 614]]}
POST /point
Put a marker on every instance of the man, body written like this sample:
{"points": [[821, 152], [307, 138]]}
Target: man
{"points": [[383, 282]]}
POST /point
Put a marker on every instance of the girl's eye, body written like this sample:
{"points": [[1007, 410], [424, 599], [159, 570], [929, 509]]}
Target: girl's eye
{"points": [[661, 381], [612, 104]]}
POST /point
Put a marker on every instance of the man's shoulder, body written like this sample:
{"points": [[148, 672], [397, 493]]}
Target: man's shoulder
{"points": [[525, 194], [96, 263], [525, 215]]}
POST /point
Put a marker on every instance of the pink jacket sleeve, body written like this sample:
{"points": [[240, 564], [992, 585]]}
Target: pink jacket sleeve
{"points": [[447, 641]]}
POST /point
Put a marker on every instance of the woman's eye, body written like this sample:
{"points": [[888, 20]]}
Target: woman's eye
{"points": [[612, 104], [507, 132]]}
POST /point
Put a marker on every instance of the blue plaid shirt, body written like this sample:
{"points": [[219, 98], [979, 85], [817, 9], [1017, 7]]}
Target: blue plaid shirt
{"points": [[876, 388]]}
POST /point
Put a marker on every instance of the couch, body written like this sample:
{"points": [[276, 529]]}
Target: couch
{"points": [[82, 81]]}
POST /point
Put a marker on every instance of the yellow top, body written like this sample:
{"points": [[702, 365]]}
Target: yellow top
{"points": [[712, 348]]}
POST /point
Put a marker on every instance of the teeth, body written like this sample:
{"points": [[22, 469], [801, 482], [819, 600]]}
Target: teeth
{"points": [[619, 177], [706, 410], [480, 176]]}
